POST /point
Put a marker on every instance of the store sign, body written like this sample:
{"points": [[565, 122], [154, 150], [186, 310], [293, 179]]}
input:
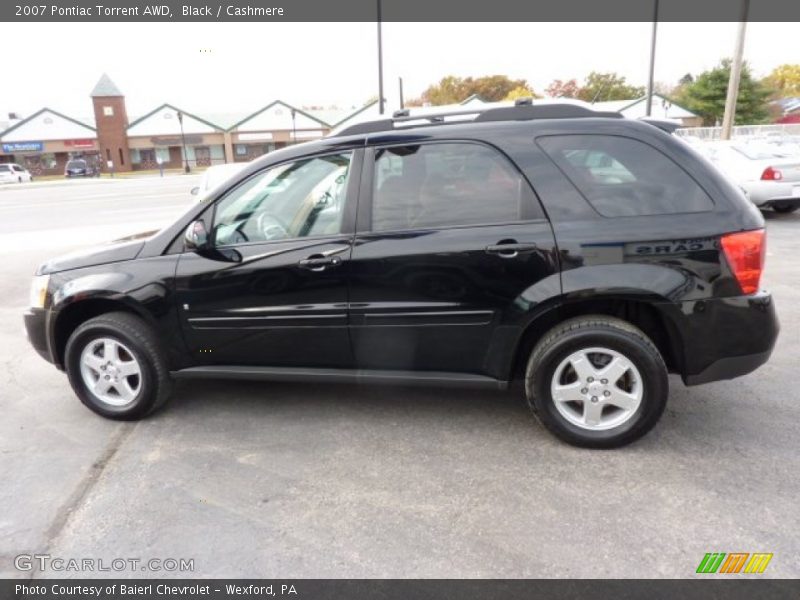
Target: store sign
{"points": [[12, 147], [176, 141], [88, 143], [255, 137]]}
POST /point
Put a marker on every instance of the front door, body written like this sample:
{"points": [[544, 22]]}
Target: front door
{"points": [[454, 239], [273, 291]]}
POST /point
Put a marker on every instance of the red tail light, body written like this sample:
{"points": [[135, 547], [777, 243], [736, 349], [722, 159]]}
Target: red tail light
{"points": [[745, 252], [771, 174]]}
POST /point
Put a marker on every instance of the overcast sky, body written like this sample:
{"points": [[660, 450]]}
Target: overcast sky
{"points": [[233, 67]]}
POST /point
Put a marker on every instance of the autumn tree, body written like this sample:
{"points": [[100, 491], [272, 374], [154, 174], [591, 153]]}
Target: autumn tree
{"points": [[492, 88], [599, 87], [562, 89], [706, 96], [784, 81], [520, 92]]}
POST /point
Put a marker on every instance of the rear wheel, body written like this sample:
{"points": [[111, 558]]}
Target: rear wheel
{"points": [[596, 382], [116, 367], [785, 208]]}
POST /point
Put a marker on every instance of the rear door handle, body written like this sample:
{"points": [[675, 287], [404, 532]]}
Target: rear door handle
{"points": [[510, 250], [318, 262]]}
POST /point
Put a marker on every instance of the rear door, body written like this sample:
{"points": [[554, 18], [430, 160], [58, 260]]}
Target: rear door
{"points": [[450, 237]]}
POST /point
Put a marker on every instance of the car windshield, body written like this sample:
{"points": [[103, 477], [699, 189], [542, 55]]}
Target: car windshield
{"points": [[76, 164]]}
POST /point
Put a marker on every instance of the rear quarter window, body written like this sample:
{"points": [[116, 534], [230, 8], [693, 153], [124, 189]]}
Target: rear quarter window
{"points": [[621, 176]]}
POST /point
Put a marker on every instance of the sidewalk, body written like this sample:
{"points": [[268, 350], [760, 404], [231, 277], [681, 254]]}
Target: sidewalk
{"points": [[55, 180]]}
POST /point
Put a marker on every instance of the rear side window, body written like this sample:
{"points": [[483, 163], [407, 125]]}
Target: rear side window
{"points": [[623, 177], [447, 185]]}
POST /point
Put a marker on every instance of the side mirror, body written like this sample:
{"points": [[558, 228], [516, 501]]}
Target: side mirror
{"points": [[195, 190], [196, 237]]}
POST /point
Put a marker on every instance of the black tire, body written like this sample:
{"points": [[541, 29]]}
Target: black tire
{"points": [[784, 208], [141, 343], [591, 332]]}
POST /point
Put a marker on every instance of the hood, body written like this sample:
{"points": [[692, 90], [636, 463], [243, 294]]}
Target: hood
{"points": [[126, 248]]}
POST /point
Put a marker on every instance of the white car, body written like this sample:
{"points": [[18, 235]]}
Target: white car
{"points": [[769, 174], [13, 173], [216, 175]]}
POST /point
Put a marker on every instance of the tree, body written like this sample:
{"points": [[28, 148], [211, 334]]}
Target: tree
{"points": [[452, 89], [562, 89], [706, 96], [784, 81], [608, 86], [520, 92], [686, 79]]}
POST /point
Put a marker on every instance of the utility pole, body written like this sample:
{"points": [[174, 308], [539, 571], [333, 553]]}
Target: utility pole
{"points": [[402, 104], [736, 75], [650, 79], [380, 61]]}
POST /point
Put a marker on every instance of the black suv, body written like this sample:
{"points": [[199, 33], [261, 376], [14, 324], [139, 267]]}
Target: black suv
{"points": [[581, 253]]}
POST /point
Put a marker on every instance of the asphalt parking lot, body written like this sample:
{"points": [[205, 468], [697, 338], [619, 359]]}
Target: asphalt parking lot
{"points": [[293, 480]]}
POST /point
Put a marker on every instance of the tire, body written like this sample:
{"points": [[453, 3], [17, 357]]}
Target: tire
{"points": [[129, 344], [784, 208], [607, 412]]}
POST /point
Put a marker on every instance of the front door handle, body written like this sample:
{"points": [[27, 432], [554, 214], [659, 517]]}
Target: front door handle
{"points": [[318, 262], [510, 249]]}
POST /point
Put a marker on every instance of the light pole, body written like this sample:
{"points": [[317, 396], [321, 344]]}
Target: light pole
{"points": [[294, 127], [736, 73], [652, 60], [380, 61], [183, 141]]}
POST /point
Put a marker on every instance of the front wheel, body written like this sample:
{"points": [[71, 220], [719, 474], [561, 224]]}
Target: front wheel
{"points": [[597, 382], [116, 367]]}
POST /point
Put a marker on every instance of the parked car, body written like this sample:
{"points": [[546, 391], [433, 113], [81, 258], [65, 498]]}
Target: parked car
{"points": [[580, 253], [78, 167], [214, 176], [14, 173], [768, 172]]}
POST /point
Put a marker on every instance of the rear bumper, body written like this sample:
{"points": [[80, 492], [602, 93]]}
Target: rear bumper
{"points": [[725, 338]]}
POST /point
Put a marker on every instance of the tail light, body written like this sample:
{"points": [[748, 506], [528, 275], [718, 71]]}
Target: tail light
{"points": [[771, 174], [745, 252]]}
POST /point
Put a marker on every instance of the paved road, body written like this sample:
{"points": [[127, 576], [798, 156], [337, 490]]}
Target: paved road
{"points": [[281, 480]]}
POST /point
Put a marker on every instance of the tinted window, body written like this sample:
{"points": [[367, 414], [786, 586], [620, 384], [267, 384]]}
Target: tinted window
{"points": [[621, 176], [299, 199], [76, 164], [5, 169], [443, 185]]}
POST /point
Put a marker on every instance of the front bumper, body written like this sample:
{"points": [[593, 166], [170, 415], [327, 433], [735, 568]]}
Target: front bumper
{"points": [[725, 338], [36, 327]]}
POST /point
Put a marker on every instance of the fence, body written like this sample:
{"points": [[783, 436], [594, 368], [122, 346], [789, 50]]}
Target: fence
{"points": [[741, 131]]}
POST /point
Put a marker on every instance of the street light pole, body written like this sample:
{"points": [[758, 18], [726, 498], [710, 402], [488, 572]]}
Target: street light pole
{"points": [[294, 127], [183, 141], [650, 79], [736, 75], [380, 61]]}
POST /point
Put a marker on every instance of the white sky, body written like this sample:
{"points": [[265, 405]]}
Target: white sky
{"points": [[246, 65]]}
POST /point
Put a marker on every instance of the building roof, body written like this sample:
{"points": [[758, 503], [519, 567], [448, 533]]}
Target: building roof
{"points": [[163, 120], [634, 108], [105, 87], [47, 124]]}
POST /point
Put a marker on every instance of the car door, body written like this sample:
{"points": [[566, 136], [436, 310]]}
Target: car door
{"points": [[272, 291], [450, 239]]}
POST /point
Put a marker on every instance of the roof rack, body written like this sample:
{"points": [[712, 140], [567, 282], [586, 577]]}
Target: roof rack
{"points": [[523, 110]]}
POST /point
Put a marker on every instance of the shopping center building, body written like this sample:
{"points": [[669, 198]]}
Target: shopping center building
{"points": [[168, 136]]}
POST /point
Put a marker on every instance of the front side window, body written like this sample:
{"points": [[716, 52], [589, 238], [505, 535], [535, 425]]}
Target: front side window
{"points": [[621, 176], [299, 199], [446, 185]]}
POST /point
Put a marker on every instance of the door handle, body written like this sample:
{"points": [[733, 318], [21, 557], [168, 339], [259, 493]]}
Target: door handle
{"points": [[318, 262], [510, 249]]}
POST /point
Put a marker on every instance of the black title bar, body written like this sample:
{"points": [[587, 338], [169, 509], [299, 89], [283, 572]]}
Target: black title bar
{"points": [[395, 10]]}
